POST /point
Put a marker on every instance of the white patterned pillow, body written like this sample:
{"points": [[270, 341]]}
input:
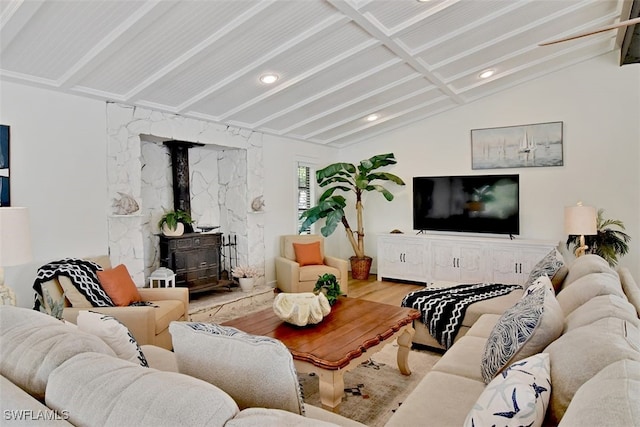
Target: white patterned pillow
{"points": [[525, 329], [519, 396], [114, 333], [256, 371], [549, 266]]}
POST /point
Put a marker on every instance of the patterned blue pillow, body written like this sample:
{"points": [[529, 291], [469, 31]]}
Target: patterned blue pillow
{"points": [[519, 396], [549, 266], [524, 329]]}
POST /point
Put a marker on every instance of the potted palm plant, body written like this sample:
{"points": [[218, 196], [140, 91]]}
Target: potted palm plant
{"points": [[608, 243], [172, 222], [349, 178]]}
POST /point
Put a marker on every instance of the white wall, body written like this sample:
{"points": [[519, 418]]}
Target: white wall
{"points": [[281, 158], [58, 171], [599, 103]]}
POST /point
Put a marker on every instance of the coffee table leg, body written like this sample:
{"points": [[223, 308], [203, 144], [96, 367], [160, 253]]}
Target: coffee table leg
{"points": [[331, 388], [405, 340]]}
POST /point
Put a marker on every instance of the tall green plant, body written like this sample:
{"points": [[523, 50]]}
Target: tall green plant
{"points": [[349, 178], [608, 243]]}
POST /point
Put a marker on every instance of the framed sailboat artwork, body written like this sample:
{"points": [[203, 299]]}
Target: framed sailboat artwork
{"points": [[532, 145]]}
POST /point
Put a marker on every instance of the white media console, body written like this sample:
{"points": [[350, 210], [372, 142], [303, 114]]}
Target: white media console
{"points": [[426, 258]]}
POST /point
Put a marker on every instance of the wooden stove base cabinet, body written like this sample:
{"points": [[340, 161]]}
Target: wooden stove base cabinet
{"points": [[195, 258]]}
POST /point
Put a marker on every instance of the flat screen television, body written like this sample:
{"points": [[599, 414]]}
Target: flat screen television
{"points": [[470, 203]]}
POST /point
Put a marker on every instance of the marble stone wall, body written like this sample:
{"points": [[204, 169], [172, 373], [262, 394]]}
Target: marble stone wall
{"points": [[226, 174]]}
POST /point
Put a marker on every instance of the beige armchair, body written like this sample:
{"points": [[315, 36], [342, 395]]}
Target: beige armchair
{"points": [[291, 277], [148, 324]]}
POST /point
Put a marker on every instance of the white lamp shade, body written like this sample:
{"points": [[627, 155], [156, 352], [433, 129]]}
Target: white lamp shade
{"points": [[15, 237], [580, 220]]}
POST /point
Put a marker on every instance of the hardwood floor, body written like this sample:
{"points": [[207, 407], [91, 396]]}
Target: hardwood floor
{"points": [[384, 292]]}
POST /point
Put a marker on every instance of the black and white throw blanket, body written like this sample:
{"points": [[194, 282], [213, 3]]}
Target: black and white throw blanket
{"points": [[82, 274], [444, 308]]}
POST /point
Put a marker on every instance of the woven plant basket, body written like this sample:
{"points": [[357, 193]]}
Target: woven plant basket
{"points": [[360, 267]]}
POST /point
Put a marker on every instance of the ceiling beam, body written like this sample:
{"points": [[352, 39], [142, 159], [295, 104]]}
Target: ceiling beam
{"points": [[376, 32]]}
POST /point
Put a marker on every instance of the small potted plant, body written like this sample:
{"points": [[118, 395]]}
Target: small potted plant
{"points": [[246, 275], [172, 222], [328, 284]]}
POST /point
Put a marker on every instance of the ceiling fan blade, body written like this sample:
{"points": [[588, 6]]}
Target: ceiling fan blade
{"points": [[599, 30]]}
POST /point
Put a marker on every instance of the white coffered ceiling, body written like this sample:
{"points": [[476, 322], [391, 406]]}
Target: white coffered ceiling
{"points": [[338, 61]]}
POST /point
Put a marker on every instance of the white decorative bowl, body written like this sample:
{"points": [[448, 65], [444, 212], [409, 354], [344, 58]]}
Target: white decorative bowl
{"points": [[301, 309]]}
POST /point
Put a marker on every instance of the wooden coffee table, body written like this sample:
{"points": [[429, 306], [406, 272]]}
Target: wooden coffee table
{"points": [[349, 335]]}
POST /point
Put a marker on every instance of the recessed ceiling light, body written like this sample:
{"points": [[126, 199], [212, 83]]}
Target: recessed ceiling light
{"points": [[487, 73], [268, 78], [372, 117]]}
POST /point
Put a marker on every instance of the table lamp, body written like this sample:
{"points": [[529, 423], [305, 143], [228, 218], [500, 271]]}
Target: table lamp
{"points": [[15, 244], [580, 221]]}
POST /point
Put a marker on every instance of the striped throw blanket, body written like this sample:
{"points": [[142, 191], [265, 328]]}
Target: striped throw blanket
{"points": [[444, 308], [82, 274]]}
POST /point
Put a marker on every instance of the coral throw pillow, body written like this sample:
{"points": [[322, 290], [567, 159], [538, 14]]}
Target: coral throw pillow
{"points": [[308, 253], [117, 283]]}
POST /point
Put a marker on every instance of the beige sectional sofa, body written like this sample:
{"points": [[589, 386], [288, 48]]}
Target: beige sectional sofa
{"points": [[593, 360], [594, 363], [53, 373]]}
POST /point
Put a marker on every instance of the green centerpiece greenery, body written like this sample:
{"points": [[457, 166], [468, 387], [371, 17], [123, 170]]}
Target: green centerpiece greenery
{"points": [[348, 178], [609, 243], [328, 284]]}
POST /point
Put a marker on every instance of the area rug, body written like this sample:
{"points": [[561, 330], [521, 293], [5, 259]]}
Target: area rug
{"points": [[375, 389]]}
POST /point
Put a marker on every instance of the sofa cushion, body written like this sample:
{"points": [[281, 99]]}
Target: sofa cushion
{"points": [[519, 396], [548, 266], [483, 327], [524, 329], [582, 352], [254, 370], [439, 400], [160, 358], [496, 305], [463, 358], [98, 390], [118, 284], [166, 312], [73, 295], [630, 288], [20, 409], [610, 398], [112, 332], [262, 417], [33, 344], [587, 287], [312, 272], [598, 308], [585, 265]]}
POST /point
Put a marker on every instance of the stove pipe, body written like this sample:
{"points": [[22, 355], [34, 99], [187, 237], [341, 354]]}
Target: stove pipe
{"points": [[179, 151]]}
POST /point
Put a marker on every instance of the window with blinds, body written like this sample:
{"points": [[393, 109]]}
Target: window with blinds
{"points": [[304, 194]]}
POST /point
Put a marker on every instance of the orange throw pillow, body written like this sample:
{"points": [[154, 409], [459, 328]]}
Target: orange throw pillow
{"points": [[308, 253], [117, 283]]}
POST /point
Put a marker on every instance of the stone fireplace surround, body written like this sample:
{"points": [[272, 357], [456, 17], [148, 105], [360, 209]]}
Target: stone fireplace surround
{"points": [[227, 173]]}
